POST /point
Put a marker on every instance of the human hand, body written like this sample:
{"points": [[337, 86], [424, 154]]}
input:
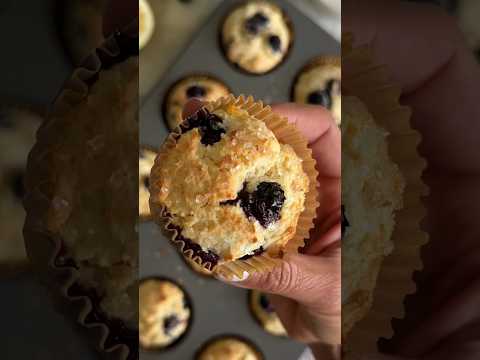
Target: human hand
{"points": [[426, 55], [306, 287]]}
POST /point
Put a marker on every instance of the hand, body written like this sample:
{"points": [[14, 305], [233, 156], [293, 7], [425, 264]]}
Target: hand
{"points": [[428, 58], [306, 287]]}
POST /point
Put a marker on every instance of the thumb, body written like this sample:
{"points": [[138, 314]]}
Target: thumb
{"points": [[311, 280]]}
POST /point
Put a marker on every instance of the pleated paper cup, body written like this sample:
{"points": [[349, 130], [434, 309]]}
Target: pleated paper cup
{"points": [[286, 133], [370, 83], [48, 204]]}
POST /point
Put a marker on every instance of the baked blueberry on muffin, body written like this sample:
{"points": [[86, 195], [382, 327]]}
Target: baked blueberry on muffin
{"points": [[146, 158], [165, 313], [228, 187], [319, 83], [372, 190], [256, 36], [82, 194], [205, 88], [228, 348], [265, 314], [17, 136]]}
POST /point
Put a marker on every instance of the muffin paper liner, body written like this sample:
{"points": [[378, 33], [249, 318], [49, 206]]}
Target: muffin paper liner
{"points": [[371, 84], [47, 207], [286, 133]]}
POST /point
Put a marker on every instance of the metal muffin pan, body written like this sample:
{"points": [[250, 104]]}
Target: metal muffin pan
{"points": [[219, 308]]}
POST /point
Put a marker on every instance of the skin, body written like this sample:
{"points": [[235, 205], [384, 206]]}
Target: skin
{"points": [[305, 289]]}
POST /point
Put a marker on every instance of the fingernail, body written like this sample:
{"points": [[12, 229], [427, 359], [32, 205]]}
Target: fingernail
{"points": [[234, 278]]}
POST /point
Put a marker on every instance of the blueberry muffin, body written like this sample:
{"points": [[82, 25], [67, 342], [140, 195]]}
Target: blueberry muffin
{"points": [[228, 348], [227, 187], [319, 83], [146, 158], [372, 191], [146, 23], [82, 193], [17, 136], [165, 313], [205, 88], [256, 36], [265, 314]]}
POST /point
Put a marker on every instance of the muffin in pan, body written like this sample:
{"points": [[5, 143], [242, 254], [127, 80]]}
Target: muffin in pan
{"points": [[82, 194], [146, 159], [256, 36], [18, 126], [229, 347], [203, 87], [165, 313], [264, 313], [372, 191], [319, 83], [227, 187]]}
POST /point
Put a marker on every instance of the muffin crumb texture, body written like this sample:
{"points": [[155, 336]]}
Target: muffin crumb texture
{"points": [[372, 190]]}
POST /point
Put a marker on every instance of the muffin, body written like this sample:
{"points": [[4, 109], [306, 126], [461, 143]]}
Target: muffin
{"points": [[226, 187], [198, 268], [206, 88], [81, 202], [265, 314], [146, 23], [372, 191], [17, 136], [146, 158], [319, 83], [228, 348], [256, 36], [165, 313]]}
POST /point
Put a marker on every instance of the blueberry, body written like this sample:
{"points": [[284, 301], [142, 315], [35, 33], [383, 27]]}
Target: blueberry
{"points": [[275, 43], [256, 252], [265, 304], [255, 23], [345, 222], [206, 256], [209, 125], [170, 323], [17, 184], [320, 97], [196, 91], [264, 204]]}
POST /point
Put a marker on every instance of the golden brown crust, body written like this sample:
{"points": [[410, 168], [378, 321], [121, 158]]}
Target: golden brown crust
{"points": [[145, 162], [247, 153]]}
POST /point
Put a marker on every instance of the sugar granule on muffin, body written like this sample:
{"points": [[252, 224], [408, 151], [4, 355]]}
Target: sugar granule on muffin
{"points": [[372, 190], [230, 188], [256, 36], [164, 315]]}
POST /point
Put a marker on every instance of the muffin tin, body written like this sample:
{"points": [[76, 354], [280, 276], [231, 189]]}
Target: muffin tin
{"points": [[219, 308]]}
